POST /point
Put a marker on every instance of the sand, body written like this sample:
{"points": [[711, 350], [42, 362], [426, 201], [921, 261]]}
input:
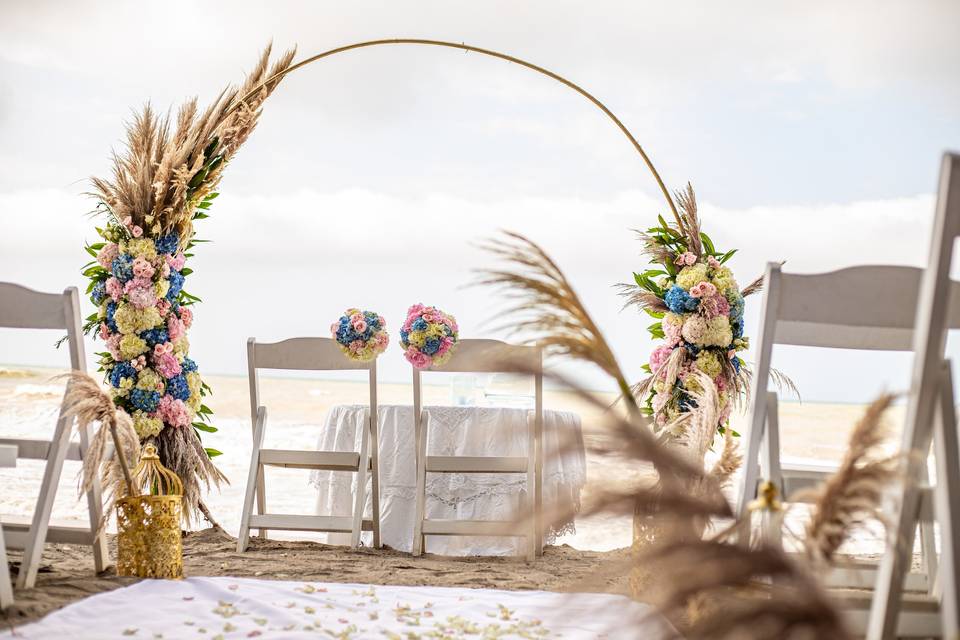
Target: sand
{"points": [[67, 572]]}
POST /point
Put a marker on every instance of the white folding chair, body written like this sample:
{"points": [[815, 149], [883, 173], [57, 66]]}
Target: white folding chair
{"points": [[309, 354], [22, 308], [931, 416], [870, 308], [484, 356], [8, 458]]}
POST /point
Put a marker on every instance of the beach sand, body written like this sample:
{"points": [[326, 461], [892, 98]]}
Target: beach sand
{"points": [[28, 405]]}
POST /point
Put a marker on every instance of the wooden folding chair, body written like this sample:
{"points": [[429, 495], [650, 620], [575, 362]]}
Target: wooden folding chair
{"points": [[309, 354], [8, 458], [484, 356], [931, 416], [22, 308], [870, 308]]}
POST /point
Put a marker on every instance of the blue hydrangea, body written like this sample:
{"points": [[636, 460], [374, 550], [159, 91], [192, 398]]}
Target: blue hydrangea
{"points": [[679, 301], [99, 292], [737, 326], [692, 349], [188, 365], [419, 324], [736, 307], [120, 371], [167, 244], [153, 337], [178, 388], [111, 323], [145, 400], [736, 363], [686, 402], [175, 307], [122, 267], [431, 346], [373, 321], [176, 284], [404, 335]]}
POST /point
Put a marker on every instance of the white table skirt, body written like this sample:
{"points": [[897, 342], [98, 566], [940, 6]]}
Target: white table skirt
{"points": [[235, 608], [467, 431]]}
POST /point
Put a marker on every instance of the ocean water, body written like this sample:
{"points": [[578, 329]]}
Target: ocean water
{"points": [[29, 402]]}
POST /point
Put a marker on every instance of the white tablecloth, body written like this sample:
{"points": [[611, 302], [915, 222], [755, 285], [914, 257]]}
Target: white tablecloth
{"points": [[234, 608], [468, 431]]}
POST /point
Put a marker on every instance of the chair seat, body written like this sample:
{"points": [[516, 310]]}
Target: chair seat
{"points": [[286, 522], [16, 529], [477, 464], [298, 459], [475, 528], [8, 455], [38, 449]]}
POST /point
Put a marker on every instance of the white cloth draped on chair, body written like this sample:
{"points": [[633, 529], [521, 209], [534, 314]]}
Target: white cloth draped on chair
{"points": [[475, 431]]}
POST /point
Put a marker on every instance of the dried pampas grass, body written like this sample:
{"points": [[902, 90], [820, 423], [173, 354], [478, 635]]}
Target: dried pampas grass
{"points": [[85, 401], [852, 495]]}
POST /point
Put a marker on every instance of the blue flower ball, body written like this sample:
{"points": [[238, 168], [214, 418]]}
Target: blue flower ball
{"points": [[120, 371], [176, 284], [122, 267], [177, 388], [153, 337], [99, 292], [167, 244], [679, 301], [188, 365], [431, 346], [145, 400], [111, 323]]}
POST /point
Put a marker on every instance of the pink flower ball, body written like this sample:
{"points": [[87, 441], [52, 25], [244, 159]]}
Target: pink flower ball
{"points": [[114, 289], [702, 290], [715, 305], [187, 316], [177, 261], [416, 358], [174, 412], [104, 331], [107, 255], [659, 357], [166, 365]]}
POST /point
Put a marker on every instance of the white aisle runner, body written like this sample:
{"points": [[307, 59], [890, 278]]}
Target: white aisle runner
{"points": [[227, 608]]}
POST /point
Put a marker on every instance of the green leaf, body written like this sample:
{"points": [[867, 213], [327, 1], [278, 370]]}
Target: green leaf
{"points": [[211, 196], [200, 216], [98, 245], [727, 256], [654, 314], [90, 250], [204, 427], [212, 453], [204, 205], [198, 178], [646, 368], [186, 271], [707, 242]]}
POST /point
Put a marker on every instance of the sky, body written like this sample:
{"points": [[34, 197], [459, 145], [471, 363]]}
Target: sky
{"points": [[812, 133]]}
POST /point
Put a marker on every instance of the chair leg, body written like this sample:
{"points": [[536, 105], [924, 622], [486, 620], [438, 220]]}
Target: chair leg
{"points": [[254, 480], [41, 516], [928, 546], [945, 508], [530, 510], [419, 542], [361, 497], [770, 468], [375, 486], [6, 589]]}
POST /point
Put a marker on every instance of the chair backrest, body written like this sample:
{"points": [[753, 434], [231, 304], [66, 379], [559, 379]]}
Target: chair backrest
{"points": [[864, 307], [475, 355], [303, 354], [23, 308]]}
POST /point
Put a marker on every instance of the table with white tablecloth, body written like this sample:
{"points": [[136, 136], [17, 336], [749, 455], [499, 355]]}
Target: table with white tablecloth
{"points": [[454, 430]]}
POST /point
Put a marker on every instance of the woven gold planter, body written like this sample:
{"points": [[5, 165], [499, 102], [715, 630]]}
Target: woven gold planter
{"points": [[148, 526]]}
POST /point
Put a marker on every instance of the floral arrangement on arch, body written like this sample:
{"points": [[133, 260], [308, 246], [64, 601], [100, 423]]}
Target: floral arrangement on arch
{"points": [[697, 308], [428, 336], [163, 182], [361, 335]]}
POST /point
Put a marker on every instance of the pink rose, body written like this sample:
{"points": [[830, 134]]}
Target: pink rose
{"points": [[177, 261], [359, 326], [104, 331], [416, 358], [383, 339], [334, 328], [142, 268], [166, 365], [686, 259], [113, 345], [702, 290], [356, 345], [713, 262], [164, 307], [174, 412], [414, 310], [141, 293], [136, 231], [165, 270], [187, 316], [715, 305], [107, 255], [429, 317], [175, 328]]}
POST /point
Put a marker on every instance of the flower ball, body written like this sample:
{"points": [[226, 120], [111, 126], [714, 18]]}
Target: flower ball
{"points": [[361, 335], [428, 336]]}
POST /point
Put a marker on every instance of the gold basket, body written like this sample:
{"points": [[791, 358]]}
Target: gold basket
{"points": [[148, 526]]}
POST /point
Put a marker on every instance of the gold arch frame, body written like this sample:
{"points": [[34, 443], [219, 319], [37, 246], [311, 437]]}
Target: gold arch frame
{"points": [[487, 52]]}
